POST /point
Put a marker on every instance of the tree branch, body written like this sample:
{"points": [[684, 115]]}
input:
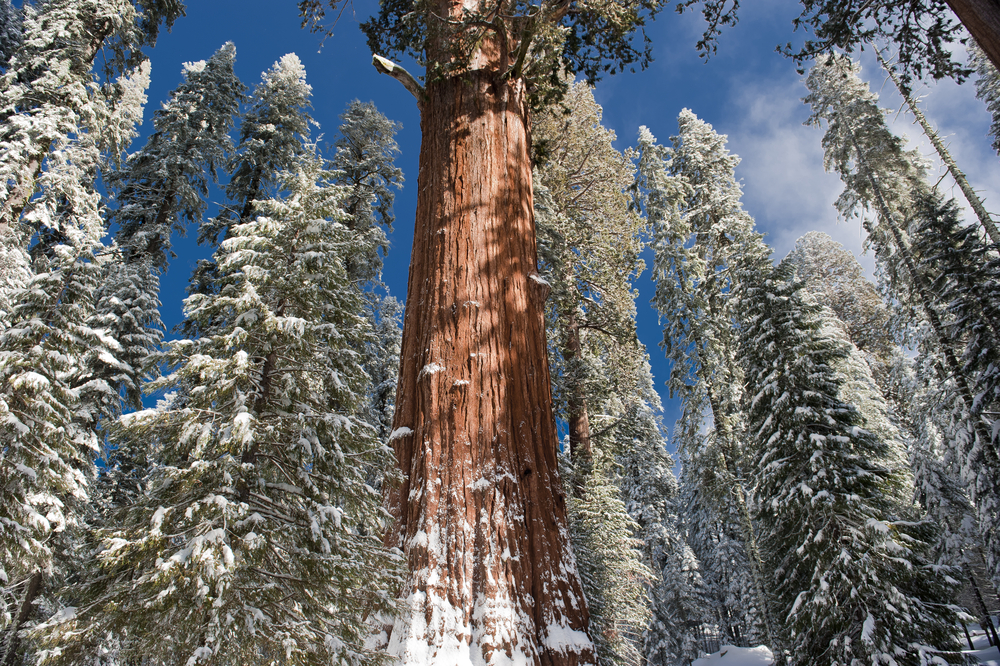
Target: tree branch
{"points": [[386, 66]]}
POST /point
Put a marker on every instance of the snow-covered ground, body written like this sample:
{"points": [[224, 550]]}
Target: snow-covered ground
{"points": [[760, 656], [737, 656], [987, 655]]}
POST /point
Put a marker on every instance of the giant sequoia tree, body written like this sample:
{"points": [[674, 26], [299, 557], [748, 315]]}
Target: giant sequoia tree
{"points": [[480, 514]]}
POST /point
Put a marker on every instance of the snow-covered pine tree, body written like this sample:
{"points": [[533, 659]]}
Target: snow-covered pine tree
{"points": [[11, 18], [879, 174], [163, 185], [975, 202], [987, 88], [382, 364], [589, 244], [257, 534], [365, 158], [273, 132], [703, 240], [711, 521], [161, 188], [966, 289], [608, 558], [679, 600], [855, 585], [882, 177], [52, 394], [833, 274], [49, 79], [853, 310]]}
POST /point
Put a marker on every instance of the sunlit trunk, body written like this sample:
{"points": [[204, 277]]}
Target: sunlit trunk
{"points": [[480, 514]]}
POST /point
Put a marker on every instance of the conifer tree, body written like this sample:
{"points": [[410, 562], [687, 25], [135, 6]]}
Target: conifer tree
{"points": [[163, 185], [614, 577], [832, 273], [272, 135], [11, 18], [366, 152], [966, 290], [161, 188], [853, 582], [257, 534], [678, 595], [975, 202], [703, 240], [589, 244], [879, 175], [382, 364], [48, 82], [52, 394], [987, 88]]}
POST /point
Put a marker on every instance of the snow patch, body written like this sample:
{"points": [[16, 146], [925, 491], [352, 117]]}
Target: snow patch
{"points": [[730, 655], [399, 433], [479, 484], [561, 638], [430, 369], [867, 629], [535, 277]]}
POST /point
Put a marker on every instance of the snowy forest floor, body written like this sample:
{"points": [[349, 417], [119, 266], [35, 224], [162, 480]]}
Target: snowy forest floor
{"points": [[760, 656], [986, 654]]}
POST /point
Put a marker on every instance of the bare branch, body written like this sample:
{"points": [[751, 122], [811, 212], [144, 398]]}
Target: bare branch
{"points": [[386, 66]]}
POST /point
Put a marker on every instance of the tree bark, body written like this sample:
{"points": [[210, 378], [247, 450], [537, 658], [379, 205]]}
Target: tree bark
{"points": [[578, 421], [13, 642], [963, 183], [982, 19], [480, 513]]}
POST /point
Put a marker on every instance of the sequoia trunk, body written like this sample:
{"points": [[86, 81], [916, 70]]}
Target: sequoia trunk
{"points": [[982, 19], [480, 514]]}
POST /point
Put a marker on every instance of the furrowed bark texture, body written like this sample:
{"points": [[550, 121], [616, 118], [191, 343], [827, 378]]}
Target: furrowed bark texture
{"points": [[480, 514], [982, 19]]}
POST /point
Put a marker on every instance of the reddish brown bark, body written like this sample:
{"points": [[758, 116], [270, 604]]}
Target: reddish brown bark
{"points": [[982, 19], [480, 514]]}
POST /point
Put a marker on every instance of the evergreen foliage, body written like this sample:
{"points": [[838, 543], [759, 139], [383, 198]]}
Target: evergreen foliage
{"points": [[965, 288], [382, 364], [366, 150], [614, 577], [987, 88], [678, 596], [164, 184], [589, 244], [703, 242], [546, 38], [11, 19], [256, 533], [880, 176], [924, 32], [272, 134], [852, 580], [834, 276]]}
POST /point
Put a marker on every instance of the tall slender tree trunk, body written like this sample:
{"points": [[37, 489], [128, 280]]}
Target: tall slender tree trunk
{"points": [[13, 643], [578, 421], [963, 183], [480, 513], [982, 19]]}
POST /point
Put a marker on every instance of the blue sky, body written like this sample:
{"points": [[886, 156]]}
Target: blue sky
{"points": [[746, 91]]}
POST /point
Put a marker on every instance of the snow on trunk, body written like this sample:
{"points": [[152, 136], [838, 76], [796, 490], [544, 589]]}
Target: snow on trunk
{"points": [[480, 513]]}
